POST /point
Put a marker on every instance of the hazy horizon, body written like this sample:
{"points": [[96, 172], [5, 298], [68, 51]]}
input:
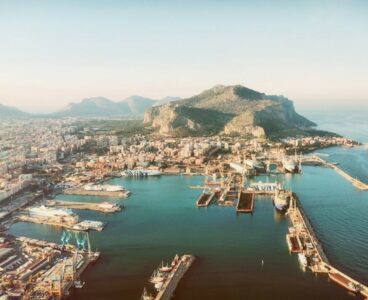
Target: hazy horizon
{"points": [[54, 53]]}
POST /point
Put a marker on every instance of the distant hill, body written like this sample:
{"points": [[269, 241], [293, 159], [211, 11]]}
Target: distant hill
{"points": [[11, 112], [103, 107], [137, 104], [133, 106], [166, 100], [227, 109]]}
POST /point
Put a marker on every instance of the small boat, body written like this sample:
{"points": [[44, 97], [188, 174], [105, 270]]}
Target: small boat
{"points": [[165, 268], [79, 284], [159, 285], [175, 260], [146, 296], [156, 277]]}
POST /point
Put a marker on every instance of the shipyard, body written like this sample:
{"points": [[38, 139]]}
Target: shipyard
{"points": [[105, 184]]}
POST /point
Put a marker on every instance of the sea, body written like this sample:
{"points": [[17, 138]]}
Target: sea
{"points": [[238, 256]]}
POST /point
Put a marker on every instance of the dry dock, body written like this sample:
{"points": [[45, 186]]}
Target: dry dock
{"points": [[170, 285], [105, 207], [205, 199], [246, 202], [83, 192]]}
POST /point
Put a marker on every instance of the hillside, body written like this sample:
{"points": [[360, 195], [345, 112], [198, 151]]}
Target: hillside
{"points": [[11, 112], [227, 109]]}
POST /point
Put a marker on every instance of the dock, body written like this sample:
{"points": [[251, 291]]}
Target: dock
{"points": [[104, 207], [245, 202], [205, 199], [83, 192]]}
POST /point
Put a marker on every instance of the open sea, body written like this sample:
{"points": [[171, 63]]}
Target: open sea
{"points": [[161, 219]]}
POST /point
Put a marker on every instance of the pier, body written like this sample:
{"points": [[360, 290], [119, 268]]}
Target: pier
{"points": [[104, 207], [246, 201], [306, 242], [83, 192]]}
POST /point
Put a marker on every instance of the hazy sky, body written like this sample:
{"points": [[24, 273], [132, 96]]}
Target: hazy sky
{"points": [[55, 52]]}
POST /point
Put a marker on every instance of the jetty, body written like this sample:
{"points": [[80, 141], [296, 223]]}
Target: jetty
{"points": [[245, 202], [205, 199], [105, 207], [302, 239], [319, 161]]}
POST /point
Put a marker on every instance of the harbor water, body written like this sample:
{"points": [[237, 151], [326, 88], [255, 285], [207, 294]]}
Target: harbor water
{"points": [[161, 219]]}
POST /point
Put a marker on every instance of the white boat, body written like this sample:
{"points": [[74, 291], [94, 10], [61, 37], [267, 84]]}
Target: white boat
{"points": [[141, 173], [281, 199], [303, 260], [254, 164], [289, 165], [159, 285], [105, 188], [79, 284], [156, 277], [165, 268], [146, 296]]}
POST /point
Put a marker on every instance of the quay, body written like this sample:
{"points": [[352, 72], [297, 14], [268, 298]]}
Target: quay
{"points": [[302, 239], [245, 202], [355, 181], [104, 207], [85, 225], [205, 199], [83, 192]]}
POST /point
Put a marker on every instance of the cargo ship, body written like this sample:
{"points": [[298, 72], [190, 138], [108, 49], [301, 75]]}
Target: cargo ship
{"points": [[141, 173], [281, 198]]}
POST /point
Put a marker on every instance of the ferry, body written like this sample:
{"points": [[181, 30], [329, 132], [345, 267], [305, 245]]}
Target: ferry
{"points": [[141, 173], [105, 188]]}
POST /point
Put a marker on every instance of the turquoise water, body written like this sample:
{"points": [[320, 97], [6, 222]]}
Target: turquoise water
{"points": [[161, 219]]}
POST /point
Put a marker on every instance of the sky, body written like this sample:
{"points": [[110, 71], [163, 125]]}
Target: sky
{"points": [[56, 52]]}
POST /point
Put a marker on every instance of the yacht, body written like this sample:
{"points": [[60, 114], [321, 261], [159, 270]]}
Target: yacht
{"points": [[302, 260]]}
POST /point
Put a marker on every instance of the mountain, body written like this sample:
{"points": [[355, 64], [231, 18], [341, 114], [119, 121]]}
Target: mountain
{"points": [[166, 100], [11, 112], [228, 109], [102, 107], [137, 104]]}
